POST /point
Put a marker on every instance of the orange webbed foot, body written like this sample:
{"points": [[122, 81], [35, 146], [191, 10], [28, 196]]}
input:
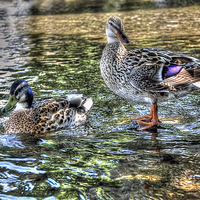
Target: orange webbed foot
{"points": [[145, 121]]}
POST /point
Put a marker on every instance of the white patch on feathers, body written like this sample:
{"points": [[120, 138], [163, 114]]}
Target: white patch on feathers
{"points": [[21, 106], [22, 98], [88, 105], [158, 76], [197, 84], [111, 36]]}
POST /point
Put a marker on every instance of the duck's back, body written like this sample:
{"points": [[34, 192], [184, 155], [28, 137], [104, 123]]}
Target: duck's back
{"points": [[145, 74]]}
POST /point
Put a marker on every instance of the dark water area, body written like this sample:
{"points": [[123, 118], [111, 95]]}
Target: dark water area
{"points": [[106, 158]]}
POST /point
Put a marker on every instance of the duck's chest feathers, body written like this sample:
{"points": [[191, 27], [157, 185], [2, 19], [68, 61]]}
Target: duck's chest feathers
{"points": [[111, 66], [21, 121]]}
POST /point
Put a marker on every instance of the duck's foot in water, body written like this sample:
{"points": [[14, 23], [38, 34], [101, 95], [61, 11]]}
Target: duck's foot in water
{"points": [[145, 122]]}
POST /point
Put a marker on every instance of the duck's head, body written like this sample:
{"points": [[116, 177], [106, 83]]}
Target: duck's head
{"points": [[115, 31], [20, 94]]}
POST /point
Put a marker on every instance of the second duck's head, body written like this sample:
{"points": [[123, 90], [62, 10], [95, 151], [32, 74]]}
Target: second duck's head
{"points": [[115, 31], [20, 94]]}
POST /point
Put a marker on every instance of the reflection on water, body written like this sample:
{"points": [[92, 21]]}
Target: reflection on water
{"points": [[107, 158], [96, 6]]}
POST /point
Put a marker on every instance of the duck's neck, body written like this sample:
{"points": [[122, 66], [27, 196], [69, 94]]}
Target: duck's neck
{"points": [[22, 106], [122, 50], [114, 50], [112, 39]]}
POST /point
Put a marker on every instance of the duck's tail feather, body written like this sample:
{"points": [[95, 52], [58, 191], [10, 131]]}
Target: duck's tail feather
{"points": [[197, 84], [81, 112], [87, 105], [78, 101], [73, 92], [75, 100]]}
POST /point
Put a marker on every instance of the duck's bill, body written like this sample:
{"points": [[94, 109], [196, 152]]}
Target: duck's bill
{"points": [[122, 37], [11, 104]]}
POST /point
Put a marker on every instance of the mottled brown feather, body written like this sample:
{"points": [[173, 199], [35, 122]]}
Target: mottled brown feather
{"points": [[46, 115]]}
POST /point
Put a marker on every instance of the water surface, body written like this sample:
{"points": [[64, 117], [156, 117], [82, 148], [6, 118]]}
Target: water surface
{"points": [[107, 158]]}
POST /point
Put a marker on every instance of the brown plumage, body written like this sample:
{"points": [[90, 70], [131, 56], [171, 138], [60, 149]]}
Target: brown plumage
{"points": [[146, 75], [44, 115]]}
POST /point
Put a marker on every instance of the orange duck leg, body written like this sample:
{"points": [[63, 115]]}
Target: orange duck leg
{"points": [[145, 121]]}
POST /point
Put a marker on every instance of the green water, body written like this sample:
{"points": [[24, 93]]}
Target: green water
{"points": [[107, 158]]}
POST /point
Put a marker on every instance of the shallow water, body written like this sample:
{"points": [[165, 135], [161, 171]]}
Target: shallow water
{"points": [[107, 158]]}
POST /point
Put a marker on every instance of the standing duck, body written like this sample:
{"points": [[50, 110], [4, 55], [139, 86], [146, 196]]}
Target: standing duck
{"points": [[43, 115], [146, 75]]}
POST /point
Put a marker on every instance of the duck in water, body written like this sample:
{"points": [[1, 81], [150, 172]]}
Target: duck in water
{"points": [[43, 115]]}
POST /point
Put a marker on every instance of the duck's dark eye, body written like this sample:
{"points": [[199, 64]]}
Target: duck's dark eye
{"points": [[111, 23]]}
